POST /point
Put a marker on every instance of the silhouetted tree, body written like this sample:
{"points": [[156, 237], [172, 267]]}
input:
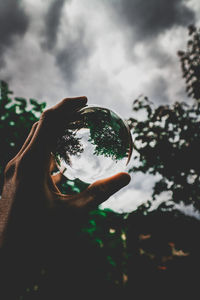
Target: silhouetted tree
{"points": [[108, 133], [190, 63], [168, 139], [168, 144], [67, 144]]}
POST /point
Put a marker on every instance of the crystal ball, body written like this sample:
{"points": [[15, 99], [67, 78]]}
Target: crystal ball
{"points": [[95, 145]]}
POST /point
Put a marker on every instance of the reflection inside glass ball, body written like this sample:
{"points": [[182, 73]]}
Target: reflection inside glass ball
{"points": [[96, 145]]}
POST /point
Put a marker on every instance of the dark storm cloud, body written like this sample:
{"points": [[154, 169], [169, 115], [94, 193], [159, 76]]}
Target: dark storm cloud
{"points": [[74, 55], [158, 90], [52, 22], [73, 52], [13, 22], [151, 17]]}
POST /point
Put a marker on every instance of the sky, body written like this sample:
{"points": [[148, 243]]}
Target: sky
{"points": [[111, 51]]}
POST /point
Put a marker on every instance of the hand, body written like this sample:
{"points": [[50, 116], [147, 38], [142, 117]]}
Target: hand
{"points": [[34, 215]]}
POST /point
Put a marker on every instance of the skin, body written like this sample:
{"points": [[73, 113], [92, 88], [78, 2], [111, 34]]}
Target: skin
{"points": [[34, 215]]}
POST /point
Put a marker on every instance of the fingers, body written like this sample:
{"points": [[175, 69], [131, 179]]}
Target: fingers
{"points": [[103, 189], [27, 141], [57, 178], [97, 192], [51, 121], [54, 118], [65, 108], [52, 182], [52, 164]]}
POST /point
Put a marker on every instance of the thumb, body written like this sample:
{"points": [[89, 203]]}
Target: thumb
{"points": [[102, 189]]}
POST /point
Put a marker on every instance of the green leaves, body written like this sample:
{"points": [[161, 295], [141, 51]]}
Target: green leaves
{"points": [[22, 103], [167, 142], [37, 107], [190, 63]]}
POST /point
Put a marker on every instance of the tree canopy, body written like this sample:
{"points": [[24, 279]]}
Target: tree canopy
{"points": [[167, 141]]}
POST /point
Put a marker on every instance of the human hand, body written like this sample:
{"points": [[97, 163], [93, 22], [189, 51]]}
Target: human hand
{"points": [[34, 215], [30, 196]]}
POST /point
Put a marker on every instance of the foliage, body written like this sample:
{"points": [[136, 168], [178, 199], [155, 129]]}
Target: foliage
{"points": [[136, 254], [107, 133], [167, 140], [190, 63], [168, 144], [106, 230], [100, 127], [16, 119], [67, 144], [67, 186], [162, 254]]}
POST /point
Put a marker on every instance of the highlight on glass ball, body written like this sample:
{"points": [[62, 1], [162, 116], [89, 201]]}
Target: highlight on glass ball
{"points": [[96, 145]]}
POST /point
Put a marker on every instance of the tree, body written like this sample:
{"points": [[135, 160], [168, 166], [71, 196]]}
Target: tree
{"points": [[190, 63], [106, 132], [167, 141]]}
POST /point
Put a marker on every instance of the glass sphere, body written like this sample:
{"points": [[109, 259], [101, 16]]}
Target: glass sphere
{"points": [[95, 145]]}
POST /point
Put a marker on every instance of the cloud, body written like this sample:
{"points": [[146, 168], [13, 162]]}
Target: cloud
{"points": [[158, 89], [111, 51], [52, 22], [137, 192], [150, 18], [74, 53], [13, 22], [65, 37]]}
